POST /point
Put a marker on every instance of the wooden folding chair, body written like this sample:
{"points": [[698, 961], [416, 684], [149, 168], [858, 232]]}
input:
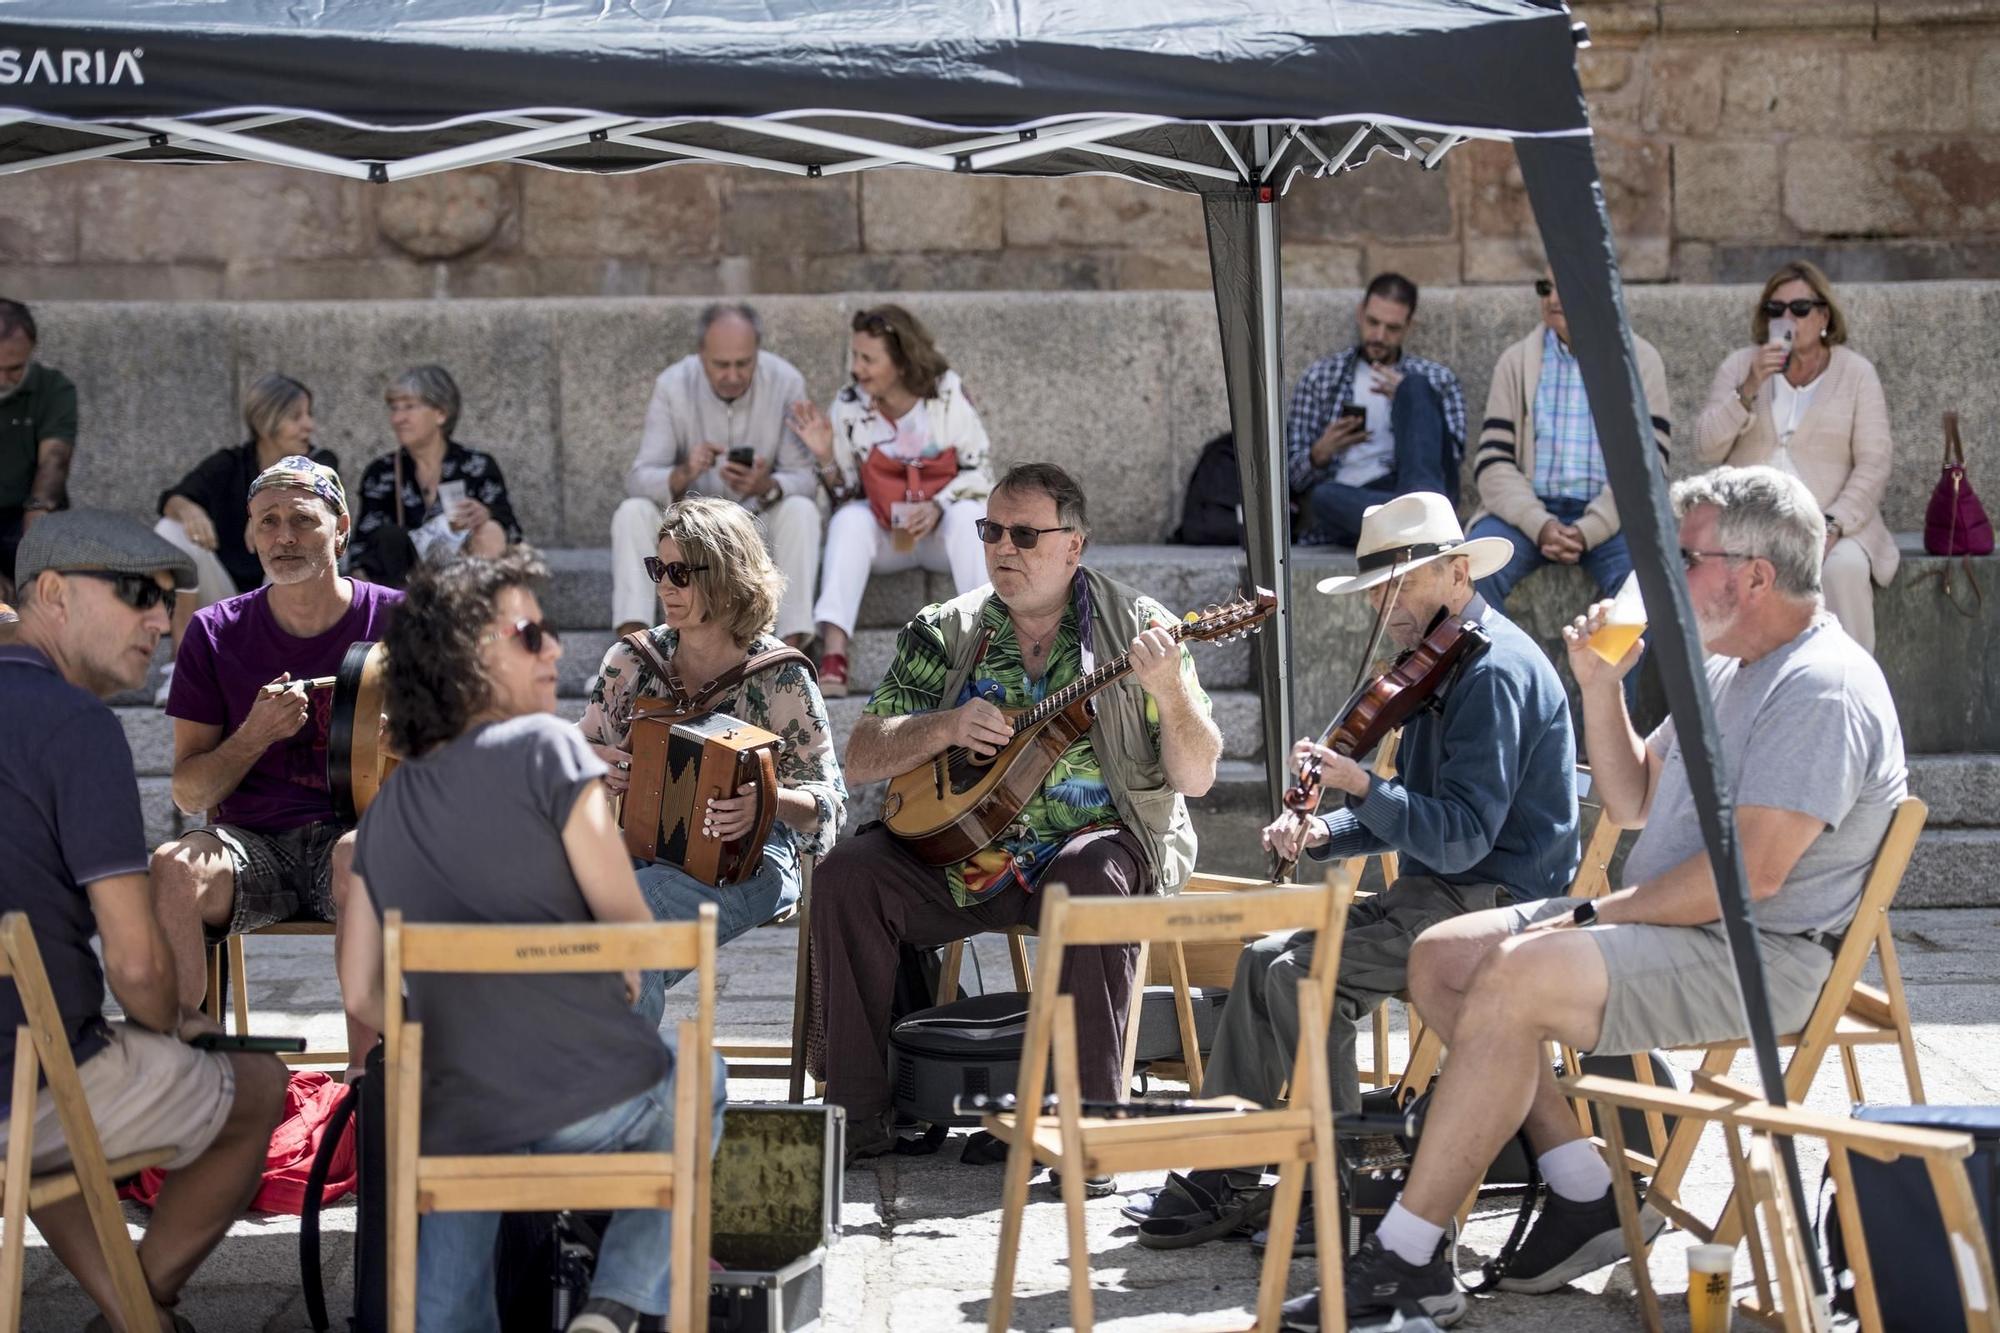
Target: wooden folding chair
{"points": [[41, 1049], [521, 1182], [1782, 1287], [1379, 1074], [769, 1059], [1238, 1133], [229, 972], [1849, 1013]]}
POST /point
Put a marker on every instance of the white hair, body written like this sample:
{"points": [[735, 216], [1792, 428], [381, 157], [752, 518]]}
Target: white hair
{"points": [[1762, 512]]}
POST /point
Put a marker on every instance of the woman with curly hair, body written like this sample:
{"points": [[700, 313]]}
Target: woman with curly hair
{"points": [[909, 486], [498, 814], [719, 594]]}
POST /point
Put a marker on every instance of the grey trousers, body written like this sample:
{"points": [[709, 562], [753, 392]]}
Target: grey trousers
{"points": [[1259, 1030]]}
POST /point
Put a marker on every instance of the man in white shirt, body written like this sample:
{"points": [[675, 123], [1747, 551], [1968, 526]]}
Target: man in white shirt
{"points": [[717, 426]]}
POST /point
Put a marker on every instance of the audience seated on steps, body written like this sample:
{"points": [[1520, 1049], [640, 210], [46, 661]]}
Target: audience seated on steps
{"points": [[718, 425], [498, 814], [908, 486], [97, 595], [37, 435], [1815, 753], [1482, 813], [717, 593], [431, 497], [250, 737], [1801, 400], [1369, 423], [1539, 472], [205, 513]]}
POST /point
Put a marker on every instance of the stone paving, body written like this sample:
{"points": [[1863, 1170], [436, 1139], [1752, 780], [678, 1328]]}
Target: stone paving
{"points": [[916, 1249]]}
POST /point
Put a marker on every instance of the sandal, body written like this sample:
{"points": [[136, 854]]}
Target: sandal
{"points": [[1193, 1215], [1141, 1205], [833, 676]]}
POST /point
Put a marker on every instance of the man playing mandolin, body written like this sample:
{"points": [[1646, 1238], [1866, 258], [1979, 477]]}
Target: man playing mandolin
{"points": [[250, 737], [1109, 818], [1482, 813]]}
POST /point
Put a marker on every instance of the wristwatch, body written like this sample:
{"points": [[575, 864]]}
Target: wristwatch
{"points": [[1584, 915], [773, 495]]}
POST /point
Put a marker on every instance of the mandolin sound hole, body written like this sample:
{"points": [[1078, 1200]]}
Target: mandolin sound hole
{"points": [[966, 771]]}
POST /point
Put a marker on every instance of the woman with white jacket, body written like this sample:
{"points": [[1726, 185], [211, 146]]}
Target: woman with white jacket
{"points": [[903, 454], [1800, 400]]}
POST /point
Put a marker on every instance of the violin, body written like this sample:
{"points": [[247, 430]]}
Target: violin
{"points": [[1413, 680]]}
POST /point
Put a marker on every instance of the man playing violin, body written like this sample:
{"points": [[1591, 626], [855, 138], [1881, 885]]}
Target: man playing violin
{"points": [[1111, 817], [250, 736], [1483, 812]]}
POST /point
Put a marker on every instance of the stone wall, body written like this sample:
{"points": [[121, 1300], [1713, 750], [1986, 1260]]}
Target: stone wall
{"points": [[1730, 133]]}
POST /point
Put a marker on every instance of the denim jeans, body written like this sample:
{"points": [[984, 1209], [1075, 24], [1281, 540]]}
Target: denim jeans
{"points": [[675, 895], [455, 1254], [1608, 562], [1416, 419]]}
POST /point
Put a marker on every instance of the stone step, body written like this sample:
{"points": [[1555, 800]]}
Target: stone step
{"points": [[1953, 867], [1962, 790]]}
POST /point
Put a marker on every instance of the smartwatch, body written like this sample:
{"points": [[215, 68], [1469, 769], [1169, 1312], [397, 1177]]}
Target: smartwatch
{"points": [[1584, 915]]}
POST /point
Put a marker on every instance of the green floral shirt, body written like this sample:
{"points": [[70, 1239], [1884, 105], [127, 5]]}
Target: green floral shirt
{"points": [[1073, 797], [784, 701]]}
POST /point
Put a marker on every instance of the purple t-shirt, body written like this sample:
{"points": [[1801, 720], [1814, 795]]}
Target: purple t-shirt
{"points": [[235, 648]]}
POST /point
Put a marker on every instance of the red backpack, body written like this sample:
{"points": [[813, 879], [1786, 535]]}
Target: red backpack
{"points": [[310, 1100]]}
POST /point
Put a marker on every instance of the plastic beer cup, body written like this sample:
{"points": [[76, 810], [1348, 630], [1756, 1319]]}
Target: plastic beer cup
{"points": [[1623, 623]]}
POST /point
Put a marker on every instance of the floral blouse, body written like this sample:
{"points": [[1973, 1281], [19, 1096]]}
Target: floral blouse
{"points": [[479, 470], [784, 701]]}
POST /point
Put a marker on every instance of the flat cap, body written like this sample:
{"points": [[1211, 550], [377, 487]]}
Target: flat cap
{"points": [[99, 539]]}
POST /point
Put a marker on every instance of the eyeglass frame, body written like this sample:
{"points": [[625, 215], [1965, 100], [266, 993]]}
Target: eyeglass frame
{"points": [[1690, 558], [142, 588], [1545, 287], [660, 571], [1015, 531], [534, 635]]}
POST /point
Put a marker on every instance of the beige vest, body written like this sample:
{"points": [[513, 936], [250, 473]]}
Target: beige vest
{"points": [[1147, 805]]}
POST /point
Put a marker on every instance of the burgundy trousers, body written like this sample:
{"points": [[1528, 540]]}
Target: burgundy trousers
{"points": [[872, 894]]}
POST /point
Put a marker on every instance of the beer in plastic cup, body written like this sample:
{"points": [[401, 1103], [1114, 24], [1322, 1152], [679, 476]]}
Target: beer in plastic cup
{"points": [[900, 536], [1709, 1270], [1623, 623]]}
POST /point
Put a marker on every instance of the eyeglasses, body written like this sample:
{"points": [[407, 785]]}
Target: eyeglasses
{"points": [[1023, 536], [1544, 288], [137, 591], [675, 572], [1800, 308], [1689, 559], [533, 634]]}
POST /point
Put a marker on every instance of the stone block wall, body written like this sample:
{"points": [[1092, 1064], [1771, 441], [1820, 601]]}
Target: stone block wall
{"points": [[1731, 133]]}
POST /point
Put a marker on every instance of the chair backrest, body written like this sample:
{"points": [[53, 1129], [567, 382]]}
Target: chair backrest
{"points": [[1600, 841]]}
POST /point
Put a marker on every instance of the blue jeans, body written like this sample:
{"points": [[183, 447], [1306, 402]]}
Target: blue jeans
{"points": [[675, 895], [1608, 562], [1423, 463], [455, 1256]]}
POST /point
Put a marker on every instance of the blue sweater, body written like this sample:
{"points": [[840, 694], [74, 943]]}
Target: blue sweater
{"points": [[1486, 790]]}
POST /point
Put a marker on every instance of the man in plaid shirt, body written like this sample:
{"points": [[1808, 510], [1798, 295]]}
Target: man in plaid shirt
{"points": [[1368, 424]]}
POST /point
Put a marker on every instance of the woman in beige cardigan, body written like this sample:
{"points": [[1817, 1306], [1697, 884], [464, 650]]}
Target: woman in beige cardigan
{"points": [[1807, 404]]}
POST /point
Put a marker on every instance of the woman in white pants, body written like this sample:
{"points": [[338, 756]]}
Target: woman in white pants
{"points": [[206, 513], [903, 455]]}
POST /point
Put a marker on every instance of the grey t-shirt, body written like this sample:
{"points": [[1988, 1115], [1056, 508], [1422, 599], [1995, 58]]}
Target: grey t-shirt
{"points": [[472, 833], [1808, 727]]}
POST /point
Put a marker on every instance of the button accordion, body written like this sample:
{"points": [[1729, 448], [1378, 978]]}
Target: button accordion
{"points": [[681, 763]]}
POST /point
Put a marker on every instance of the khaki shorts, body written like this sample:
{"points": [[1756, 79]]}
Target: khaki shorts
{"points": [[1676, 985], [145, 1091]]}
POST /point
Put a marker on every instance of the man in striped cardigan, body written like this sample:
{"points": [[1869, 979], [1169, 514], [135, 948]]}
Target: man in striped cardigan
{"points": [[1540, 475]]}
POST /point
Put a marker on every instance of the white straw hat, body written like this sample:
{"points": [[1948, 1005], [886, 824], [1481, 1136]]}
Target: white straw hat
{"points": [[1413, 530]]}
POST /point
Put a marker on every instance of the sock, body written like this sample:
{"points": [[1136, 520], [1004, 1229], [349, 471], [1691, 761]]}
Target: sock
{"points": [[1408, 1236], [1576, 1171]]}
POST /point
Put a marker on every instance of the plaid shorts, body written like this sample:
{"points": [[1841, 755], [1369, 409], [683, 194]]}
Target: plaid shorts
{"points": [[281, 876]]}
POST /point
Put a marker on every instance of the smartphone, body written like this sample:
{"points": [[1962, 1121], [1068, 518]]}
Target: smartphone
{"points": [[225, 1041], [1354, 410], [743, 456]]}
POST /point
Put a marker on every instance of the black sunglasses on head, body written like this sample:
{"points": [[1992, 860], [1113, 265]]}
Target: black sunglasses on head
{"points": [[1800, 308], [677, 573], [1023, 536], [533, 635], [137, 591]]}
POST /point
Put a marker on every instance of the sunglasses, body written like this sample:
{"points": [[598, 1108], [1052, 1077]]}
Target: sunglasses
{"points": [[1689, 559], [1544, 288], [1799, 308], [1023, 536], [676, 572], [533, 634], [137, 591]]}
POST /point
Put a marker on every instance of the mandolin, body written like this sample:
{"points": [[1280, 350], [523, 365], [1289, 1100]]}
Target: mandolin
{"points": [[956, 803]]}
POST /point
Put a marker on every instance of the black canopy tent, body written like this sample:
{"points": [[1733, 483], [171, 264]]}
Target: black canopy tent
{"points": [[1226, 99]]}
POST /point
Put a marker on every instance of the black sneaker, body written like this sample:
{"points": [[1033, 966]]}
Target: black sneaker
{"points": [[1094, 1187], [1570, 1239], [1380, 1283], [604, 1317]]}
